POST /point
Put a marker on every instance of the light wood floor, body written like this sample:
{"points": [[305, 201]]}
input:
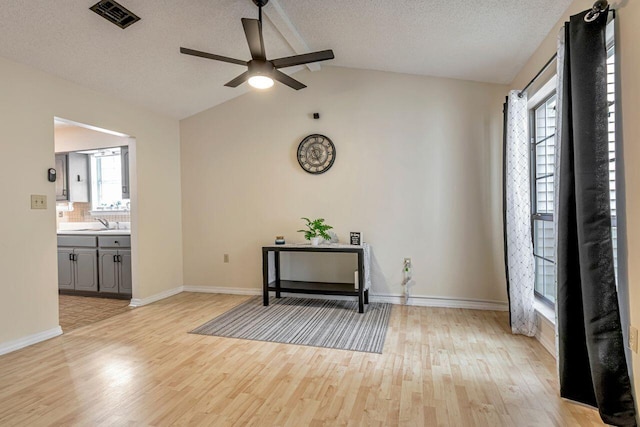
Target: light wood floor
{"points": [[76, 312], [440, 367]]}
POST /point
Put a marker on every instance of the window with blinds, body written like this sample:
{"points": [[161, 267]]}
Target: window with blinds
{"points": [[543, 145], [611, 98]]}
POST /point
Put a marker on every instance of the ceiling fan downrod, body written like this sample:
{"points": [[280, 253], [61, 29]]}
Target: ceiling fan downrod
{"points": [[260, 4]]}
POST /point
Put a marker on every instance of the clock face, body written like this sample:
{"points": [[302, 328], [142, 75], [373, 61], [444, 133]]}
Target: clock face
{"points": [[316, 154]]}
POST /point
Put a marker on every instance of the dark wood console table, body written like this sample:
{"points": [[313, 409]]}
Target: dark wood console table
{"points": [[278, 286]]}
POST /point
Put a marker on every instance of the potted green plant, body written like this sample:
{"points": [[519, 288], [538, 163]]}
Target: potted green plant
{"points": [[316, 229]]}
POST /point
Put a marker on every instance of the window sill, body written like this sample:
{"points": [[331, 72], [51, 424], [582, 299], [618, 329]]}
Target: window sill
{"points": [[545, 311], [109, 212]]}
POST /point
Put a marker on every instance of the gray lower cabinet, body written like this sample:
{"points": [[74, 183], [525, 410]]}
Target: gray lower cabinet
{"points": [[125, 285], [115, 264], [95, 264], [77, 269], [65, 269]]}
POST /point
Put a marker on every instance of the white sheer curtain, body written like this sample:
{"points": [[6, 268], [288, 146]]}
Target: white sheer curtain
{"points": [[520, 261]]}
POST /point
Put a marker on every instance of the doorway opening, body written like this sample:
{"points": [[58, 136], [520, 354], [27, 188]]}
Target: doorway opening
{"points": [[93, 222]]}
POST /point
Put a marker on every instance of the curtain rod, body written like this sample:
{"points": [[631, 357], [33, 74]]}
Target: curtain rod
{"points": [[537, 76], [599, 7]]}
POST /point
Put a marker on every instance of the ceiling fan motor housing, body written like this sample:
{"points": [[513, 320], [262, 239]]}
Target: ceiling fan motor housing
{"points": [[260, 68]]}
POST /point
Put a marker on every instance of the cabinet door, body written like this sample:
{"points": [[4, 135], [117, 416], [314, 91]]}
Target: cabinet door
{"points": [[108, 270], [61, 178], [125, 271], [124, 158], [65, 269], [86, 270], [79, 182]]}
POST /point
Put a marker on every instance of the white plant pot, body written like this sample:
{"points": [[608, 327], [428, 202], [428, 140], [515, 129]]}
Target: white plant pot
{"points": [[315, 241]]}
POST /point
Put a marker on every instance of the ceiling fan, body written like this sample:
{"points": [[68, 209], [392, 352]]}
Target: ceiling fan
{"points": [[262, 72]]}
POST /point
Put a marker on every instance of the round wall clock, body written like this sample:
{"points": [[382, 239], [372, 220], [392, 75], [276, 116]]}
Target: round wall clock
{"points": [[316, 154]]}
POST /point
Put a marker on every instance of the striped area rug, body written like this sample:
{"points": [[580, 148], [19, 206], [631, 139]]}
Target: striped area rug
{"points": [[313, 322]]}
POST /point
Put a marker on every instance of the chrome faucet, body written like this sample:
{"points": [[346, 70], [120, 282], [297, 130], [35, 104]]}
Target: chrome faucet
{"points": [[103, 222]]}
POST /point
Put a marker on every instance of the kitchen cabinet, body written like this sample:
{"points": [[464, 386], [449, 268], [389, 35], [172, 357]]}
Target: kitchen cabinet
{"points": [[65, 269], [95, 263], [114, 255], [73, 181], [115, 270], [124, 159], [77, 269], [61, 178]]}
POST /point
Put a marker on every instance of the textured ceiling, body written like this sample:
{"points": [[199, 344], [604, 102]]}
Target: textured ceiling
{"points": [[482, 40]]}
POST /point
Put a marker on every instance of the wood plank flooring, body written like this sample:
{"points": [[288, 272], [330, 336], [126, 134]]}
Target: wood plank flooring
{"points": [[440, 367], [76, 311]]}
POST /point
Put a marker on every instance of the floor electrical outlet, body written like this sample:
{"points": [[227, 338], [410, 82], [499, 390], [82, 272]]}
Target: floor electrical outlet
{"points": [[633, 339]]}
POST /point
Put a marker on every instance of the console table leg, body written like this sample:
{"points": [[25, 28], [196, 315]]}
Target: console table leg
{"points": [[361, 292], [265, 278], [366, 296], [276, 255]]}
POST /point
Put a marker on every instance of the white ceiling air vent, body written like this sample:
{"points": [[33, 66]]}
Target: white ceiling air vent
{"points": [[115, 13]]}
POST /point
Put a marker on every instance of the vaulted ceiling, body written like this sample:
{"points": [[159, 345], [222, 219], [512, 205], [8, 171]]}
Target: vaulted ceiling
{"points": [[481, 40]]}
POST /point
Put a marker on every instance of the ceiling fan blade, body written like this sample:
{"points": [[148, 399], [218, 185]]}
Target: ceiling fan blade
{"points": [[253, 31], [289, 81], [212, 56], [238, 80], [305, 58]]}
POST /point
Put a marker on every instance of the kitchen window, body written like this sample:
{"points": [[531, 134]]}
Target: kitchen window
{"points": [[107, 181]]}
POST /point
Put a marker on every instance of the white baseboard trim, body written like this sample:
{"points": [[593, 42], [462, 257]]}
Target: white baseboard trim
{"points": [[23, 342], [139, 302], [218, 290], [427, 301], [421, 301]]}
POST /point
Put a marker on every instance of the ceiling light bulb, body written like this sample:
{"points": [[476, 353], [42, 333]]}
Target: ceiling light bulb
{"points": [[261, 82]]}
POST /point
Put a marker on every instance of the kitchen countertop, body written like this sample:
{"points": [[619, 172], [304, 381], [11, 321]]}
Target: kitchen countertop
{"points": [[95, 232]]}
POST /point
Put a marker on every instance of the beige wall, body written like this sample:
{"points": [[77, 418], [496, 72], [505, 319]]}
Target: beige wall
{"points": [[629, 59], [417, 170], [30, 99]]}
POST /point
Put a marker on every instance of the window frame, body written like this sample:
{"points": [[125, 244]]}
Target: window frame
{"points": [[546, 95]]}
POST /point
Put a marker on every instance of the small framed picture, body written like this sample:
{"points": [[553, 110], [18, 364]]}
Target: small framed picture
{"points": [[356, 238]]}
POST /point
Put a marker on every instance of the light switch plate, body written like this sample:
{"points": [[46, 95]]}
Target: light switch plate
{"points": [[38, 201], [633, 339]]}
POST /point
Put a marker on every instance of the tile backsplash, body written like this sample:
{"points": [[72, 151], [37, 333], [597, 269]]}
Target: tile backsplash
{"points": [[81, 212]]}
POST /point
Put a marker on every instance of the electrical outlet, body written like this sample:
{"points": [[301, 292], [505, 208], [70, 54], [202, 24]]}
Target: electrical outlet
{"points": [[633, 338], [226, 257], [38, 202]]}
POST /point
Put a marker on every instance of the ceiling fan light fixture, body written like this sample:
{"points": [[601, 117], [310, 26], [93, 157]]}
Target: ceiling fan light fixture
{"points": [[261, 82], [261, 72]]}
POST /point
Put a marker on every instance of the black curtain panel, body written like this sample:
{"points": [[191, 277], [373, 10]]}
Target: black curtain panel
{"points": [[592, 364], [505, 112]]}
